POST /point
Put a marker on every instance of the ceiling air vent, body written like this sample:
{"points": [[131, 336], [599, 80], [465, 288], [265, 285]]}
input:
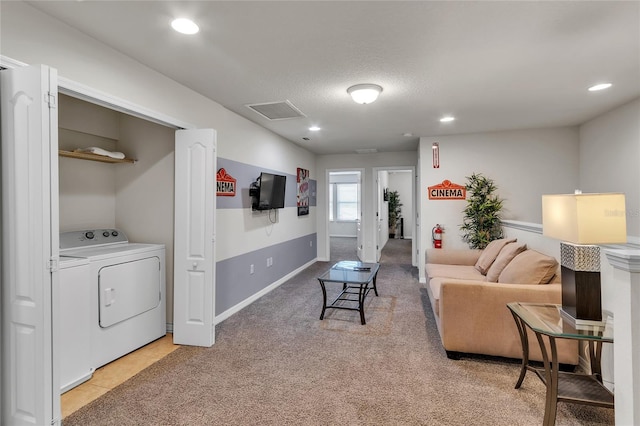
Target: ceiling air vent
{"points": [[282, 110], [366, 151]]}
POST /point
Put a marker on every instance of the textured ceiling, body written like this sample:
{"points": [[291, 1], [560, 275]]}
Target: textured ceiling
{"points": [[493, 65]]}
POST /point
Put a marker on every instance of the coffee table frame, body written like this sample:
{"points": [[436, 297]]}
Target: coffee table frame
{"points": [[355, 278]]}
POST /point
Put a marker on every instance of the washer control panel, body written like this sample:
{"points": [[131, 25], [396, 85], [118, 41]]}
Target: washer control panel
{"points": [[91, 237]]}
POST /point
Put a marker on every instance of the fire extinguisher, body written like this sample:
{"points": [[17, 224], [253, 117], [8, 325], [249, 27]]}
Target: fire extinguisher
{"points": [[436, 235]]}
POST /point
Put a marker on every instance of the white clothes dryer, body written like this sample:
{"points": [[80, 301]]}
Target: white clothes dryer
{"points": [[127, 290]]}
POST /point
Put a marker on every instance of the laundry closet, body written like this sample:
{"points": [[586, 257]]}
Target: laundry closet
{"points": [[116, 222]]}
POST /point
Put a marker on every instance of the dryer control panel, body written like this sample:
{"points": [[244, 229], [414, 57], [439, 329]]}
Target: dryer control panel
{"points": [[91, 238]]}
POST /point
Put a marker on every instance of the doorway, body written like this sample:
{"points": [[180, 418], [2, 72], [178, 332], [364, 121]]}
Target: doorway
{"points": [[344, 216], [402, 182]]}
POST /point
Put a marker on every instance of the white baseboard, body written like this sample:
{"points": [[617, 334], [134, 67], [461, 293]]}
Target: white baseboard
{"points": [[237, 308]]}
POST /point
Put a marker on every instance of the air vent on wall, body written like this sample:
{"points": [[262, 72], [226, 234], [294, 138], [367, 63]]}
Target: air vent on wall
{"points": [[366, 151], [282, 110]]}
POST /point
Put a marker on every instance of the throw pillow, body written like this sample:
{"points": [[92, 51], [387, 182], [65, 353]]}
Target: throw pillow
{"points": [[505, 256], [490, 253], [529, 267]]}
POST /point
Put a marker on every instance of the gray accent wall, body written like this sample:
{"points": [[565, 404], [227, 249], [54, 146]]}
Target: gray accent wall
{"points": [[235, 283], [245, 174]]}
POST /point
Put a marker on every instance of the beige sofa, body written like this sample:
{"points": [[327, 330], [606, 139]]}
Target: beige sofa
{"points": [[469, 290]]}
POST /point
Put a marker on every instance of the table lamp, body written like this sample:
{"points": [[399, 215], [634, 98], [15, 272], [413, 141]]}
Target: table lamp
{"points": [[580, 222]]}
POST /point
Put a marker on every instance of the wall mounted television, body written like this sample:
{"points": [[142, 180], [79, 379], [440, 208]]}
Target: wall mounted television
{"points": [[267, 192]]}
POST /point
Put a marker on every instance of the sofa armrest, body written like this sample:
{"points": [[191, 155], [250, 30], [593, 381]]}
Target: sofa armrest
{"points": [[474, 318], [453, 256]]}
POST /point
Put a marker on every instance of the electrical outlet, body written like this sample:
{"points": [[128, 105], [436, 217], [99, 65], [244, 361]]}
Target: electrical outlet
{"points": [[251, 268]]}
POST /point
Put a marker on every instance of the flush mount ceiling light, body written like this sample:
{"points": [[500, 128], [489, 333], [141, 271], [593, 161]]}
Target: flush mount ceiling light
{"points": [[447, 119], [600, 86], [314, 128], [185, 26], [364, 93]]}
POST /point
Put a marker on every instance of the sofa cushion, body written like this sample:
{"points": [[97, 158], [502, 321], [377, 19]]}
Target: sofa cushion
{"points": [[462, 272], [505, 256], [529, 267], [490, 253]]}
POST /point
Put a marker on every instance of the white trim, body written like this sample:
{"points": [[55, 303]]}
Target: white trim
{"points": [[626, 260], [536, 228], [89, 94], [7, 62], [246, 302]]}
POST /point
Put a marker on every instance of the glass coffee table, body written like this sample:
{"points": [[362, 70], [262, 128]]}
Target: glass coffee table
{"points": [[355, 278], [545, 319]]}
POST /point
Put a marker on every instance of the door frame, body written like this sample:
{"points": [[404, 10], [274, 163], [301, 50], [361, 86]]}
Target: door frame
{"points": [[361, 192], [414, 209]]}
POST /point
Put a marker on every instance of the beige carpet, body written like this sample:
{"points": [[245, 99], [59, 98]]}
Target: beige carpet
{"points": [[275, 363]]}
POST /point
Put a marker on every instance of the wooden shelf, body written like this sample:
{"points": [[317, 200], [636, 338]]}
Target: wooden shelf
{"points": [[94, 157]]}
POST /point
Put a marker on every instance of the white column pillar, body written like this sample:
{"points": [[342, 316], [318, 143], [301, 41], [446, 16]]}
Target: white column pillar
{"points": [[626, 335]]}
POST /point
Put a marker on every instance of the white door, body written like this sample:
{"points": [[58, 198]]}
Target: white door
{"points": [[30, 384], [380, 218], [359, 231], [194, 258]]}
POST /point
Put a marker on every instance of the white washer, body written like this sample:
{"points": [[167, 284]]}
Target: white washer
{"points": [[74, 316], [127, 290]]}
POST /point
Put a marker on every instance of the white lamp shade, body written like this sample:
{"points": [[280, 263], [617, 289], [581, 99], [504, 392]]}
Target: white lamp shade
{"points": [[585, 218], [364, 93]]}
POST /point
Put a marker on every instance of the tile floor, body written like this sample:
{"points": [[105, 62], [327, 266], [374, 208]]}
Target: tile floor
{"points": [[111, 375]]}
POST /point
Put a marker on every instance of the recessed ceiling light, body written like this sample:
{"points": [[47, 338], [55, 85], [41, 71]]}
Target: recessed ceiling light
{"points": [[447, 119], [314, 128], [185, 26], [600, 86]]}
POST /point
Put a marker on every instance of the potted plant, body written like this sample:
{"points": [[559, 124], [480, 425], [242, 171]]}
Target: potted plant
{"points": [[481, 223], [394, 212]]}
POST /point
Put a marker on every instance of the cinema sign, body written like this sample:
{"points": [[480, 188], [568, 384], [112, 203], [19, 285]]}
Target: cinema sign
{"points": [[225, 184], [447, 190]]}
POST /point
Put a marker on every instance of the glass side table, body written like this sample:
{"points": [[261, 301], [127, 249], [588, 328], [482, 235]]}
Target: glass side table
{"points": [[546, 320]]}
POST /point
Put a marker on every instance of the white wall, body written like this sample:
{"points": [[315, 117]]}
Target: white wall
{"points": [[610, 158], [356, 161], [524, 165], [86, 188]]}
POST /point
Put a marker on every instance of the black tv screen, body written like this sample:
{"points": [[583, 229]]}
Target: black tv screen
{"points": [[272, 190]]}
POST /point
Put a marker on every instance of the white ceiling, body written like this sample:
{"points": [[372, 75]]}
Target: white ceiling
{"points": [[493, 65]]}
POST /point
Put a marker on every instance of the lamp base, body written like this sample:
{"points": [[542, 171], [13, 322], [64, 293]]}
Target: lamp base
{"points": [[581, 294]]}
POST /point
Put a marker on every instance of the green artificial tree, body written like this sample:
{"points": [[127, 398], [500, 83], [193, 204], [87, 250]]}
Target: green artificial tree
{"points": [[394, 212], [481, 223]]}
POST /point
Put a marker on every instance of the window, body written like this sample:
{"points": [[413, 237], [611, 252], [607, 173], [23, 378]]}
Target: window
{"points": [[343, 202]]}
